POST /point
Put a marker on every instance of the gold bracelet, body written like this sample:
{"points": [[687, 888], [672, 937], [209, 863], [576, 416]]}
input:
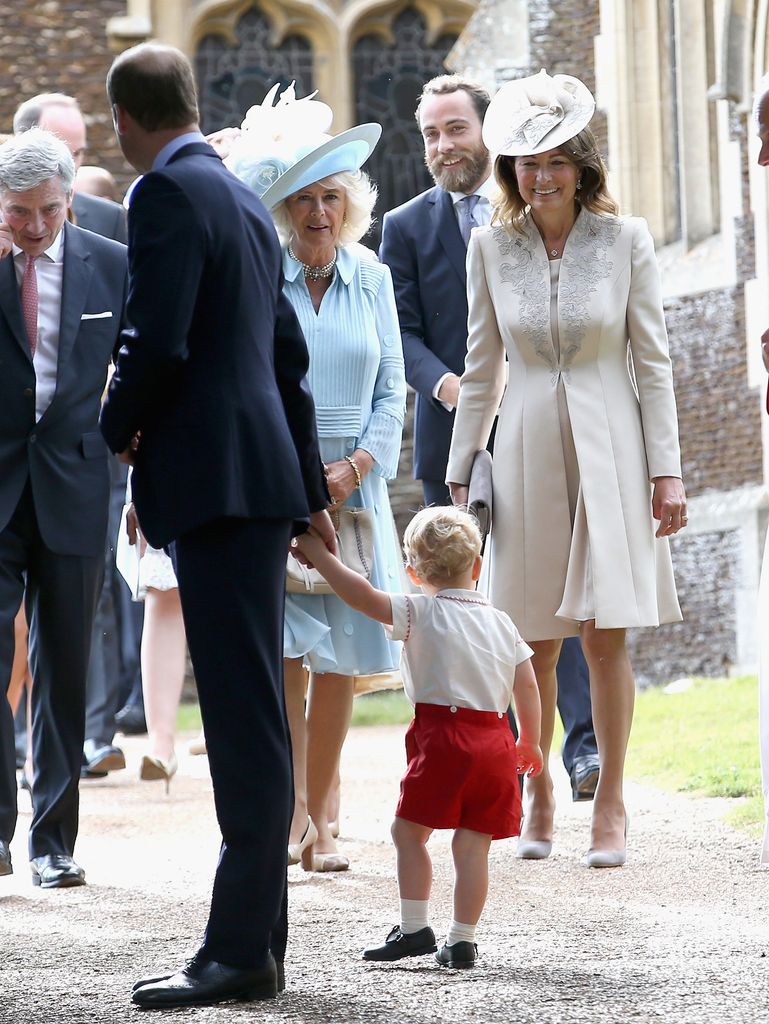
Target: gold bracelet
{"points": [[356, 471]]}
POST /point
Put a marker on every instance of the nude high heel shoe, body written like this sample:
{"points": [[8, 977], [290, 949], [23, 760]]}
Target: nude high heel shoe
{"points": [[296, 850], [607, 858], [153, 768]]}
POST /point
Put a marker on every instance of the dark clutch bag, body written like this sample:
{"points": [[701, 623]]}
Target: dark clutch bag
{"points": [[480, 490]]}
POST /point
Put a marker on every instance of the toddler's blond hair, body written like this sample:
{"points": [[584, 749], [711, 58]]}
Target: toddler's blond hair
{"points": [[441, 542]]}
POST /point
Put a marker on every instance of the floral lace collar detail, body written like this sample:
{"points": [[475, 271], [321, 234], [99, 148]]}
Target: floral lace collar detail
{"points": [[584, 264]]}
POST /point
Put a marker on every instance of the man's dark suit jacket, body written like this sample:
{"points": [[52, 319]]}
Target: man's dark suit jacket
{"points": [[100, 215], [423, 247], [211, 375], [63, 454]]}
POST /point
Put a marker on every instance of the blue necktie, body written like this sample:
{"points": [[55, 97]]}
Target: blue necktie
{"points": [[466, 208]]}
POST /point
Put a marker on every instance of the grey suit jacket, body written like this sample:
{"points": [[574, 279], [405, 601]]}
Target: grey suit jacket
{"points": [[63, 454], [101, 216]]}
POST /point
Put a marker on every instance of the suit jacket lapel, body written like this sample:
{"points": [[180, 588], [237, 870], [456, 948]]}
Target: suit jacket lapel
{"points": [[74, 292], [448, 233], [10, 303]]}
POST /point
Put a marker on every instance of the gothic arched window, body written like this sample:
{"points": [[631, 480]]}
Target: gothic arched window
{"points": [[233, 78], [388, 81]]}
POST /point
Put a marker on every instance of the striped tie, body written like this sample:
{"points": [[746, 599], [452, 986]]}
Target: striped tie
{"points": [[29, 301]]}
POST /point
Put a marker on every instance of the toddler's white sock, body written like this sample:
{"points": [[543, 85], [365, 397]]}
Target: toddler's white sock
{"points": [[413, 916], [459, 932]]}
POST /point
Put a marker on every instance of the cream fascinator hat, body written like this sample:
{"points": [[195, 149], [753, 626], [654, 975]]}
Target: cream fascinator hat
{"points": [[286, 146], [535, 114]]}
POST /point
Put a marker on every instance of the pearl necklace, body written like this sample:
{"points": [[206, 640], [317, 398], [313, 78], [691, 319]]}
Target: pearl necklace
{"points": [[314, 273]]}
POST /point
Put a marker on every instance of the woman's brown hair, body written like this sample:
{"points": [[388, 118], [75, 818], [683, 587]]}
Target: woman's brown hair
{"points": [[582, 150]]}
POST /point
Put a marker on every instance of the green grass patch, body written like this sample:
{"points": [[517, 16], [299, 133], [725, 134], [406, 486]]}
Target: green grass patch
{"points": [[188, 718], [702, 740], [387, 707]]}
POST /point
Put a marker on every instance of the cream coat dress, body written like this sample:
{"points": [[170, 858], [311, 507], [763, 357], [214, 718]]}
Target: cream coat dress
{"points": [[560, 554]]}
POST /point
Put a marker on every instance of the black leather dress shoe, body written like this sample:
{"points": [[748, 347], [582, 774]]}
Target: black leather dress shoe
{"points": [[584, 777], [98, 759], [203, 982], [130, 720], [458, 955], [56, 871], [6, 868], [164, 977], [399, 944]]}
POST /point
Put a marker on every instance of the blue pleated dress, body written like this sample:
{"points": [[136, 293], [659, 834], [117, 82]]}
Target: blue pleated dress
{"points": [[358, 383]]}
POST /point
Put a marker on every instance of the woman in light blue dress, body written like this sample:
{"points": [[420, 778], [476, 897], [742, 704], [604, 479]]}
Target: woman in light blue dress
{"points": [[343, 297]]}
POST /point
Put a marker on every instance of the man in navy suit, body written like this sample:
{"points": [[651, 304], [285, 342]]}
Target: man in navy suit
{"points": [[424, 244], [210, 402], [62, 295]]}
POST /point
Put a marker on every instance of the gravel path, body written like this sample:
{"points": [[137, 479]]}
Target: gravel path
{"points": [[680, 934]]}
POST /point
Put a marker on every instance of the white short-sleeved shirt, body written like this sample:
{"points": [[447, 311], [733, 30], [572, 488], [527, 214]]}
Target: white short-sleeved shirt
{"points": [[458, 650]]}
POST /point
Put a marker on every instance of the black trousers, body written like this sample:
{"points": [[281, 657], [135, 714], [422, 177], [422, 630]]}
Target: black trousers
{"points": [[232, 582], [60, 597]]}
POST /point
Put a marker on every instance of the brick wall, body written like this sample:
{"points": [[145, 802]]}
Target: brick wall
{"points": [[61, 46], [719, 416], [708, 572]]}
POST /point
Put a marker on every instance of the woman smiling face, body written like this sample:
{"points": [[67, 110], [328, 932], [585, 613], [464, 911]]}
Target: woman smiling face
{"points": [[317, 214], [547, 181]]}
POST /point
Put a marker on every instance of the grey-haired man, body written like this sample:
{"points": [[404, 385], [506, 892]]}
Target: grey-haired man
{"points": [[62, 294]]}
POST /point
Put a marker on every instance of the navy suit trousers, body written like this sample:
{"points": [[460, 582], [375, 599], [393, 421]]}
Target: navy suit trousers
{"points": [[231, 576]]}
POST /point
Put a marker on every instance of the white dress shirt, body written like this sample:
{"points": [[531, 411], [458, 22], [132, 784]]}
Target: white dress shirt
{"points": [[49, 270], [458, 650]]}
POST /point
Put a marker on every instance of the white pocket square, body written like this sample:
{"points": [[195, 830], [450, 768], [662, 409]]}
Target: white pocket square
{"points": [[96, 316]]}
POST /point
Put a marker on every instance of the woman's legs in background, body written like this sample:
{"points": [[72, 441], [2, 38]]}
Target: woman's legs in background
{"points": [[163, 659], [540, 805], [295, 684], [612, 691], [329, 708]]}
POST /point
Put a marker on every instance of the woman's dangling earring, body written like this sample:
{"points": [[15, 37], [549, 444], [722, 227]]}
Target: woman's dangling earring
{"points": [[579, 183]]}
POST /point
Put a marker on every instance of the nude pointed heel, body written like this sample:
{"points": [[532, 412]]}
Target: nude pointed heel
{"points": [[308, 840], [607, 858], [154, 768]]}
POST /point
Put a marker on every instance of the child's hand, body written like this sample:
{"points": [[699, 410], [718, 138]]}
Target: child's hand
{"points": [[529, 757], [310, 546]]}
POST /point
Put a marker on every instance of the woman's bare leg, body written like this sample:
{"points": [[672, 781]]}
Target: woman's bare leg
{"points": [[163, 660], [295, 685], [540, 804], [329, 708], [612, 692]]}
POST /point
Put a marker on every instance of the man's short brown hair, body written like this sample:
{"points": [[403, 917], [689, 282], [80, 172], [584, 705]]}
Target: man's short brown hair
{"points": [[445, 84], [155, 85]]}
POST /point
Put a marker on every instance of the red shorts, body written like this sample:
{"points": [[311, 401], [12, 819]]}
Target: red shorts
{"points": [[461, 772]]}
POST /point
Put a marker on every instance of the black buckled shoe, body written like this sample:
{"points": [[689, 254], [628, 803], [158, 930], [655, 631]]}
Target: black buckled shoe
{"points": [[584, 777], [6, 868], [56, 871], [204, 982], [399, 944], [459, 955]]}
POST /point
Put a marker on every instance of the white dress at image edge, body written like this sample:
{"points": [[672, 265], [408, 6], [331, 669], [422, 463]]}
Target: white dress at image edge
{"points": [[763, 692]]}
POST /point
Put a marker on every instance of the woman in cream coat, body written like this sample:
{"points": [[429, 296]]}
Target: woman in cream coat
{"points": [[586, 452]]}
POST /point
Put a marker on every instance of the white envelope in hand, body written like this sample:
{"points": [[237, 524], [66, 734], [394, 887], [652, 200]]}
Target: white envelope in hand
{"points": [[97, 316]]}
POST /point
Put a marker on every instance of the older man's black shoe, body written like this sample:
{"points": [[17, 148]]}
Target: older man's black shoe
{"points": [[399, 944], [56, 871], [458, 955], [6, 868], [130, 720], [584, 777], [100, 758], [203, 982]]}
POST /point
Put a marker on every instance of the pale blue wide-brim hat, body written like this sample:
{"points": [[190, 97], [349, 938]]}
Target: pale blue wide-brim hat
{"points": [[295, 165]]}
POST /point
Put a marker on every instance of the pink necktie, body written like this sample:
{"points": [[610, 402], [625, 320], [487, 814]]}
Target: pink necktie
{"points": [[29, 301]]}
